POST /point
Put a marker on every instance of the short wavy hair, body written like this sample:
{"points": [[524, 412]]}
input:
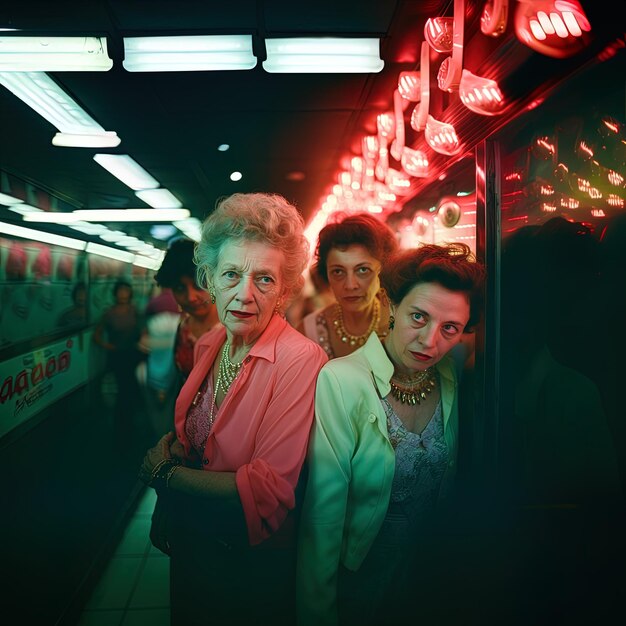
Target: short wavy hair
{"points": [[362, 229], [263, 217], [178, 262], [451, 265]]}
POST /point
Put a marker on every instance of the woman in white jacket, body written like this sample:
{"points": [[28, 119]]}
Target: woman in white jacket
{"points": [[384, 442]]}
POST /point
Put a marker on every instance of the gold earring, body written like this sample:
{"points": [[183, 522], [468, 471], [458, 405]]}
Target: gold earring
{"points": [[212, 294]]}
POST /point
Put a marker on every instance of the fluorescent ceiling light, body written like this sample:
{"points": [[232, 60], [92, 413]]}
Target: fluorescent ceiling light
{"points": [[106, 139], [24, 209], [160, 199], [54, 54], [163, 231], [45, 97], [235, 176], [7, 200], [127, 170], [323, 55], [110, 253], [190, 227], [109, 215], [39, 235], [188, 53], [144, 261], [89, 229]]}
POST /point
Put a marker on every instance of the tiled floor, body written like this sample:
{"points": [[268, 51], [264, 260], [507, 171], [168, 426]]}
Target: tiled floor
{"points": [[134, 588]]}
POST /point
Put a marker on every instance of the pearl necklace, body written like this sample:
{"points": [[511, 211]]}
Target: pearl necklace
{"points": [[355, 340], [412, 390], [226, 374]]}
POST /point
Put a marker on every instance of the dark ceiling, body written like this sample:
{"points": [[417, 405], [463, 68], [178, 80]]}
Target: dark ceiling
{"points": [[288, 133], [278, 126]]}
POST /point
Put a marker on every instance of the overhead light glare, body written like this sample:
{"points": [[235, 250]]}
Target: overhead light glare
{"points": [[45, 97], [109, 253], [188, 53], [235, 176], [24, 209], [127, 170], [223, 147], [323, 55], [109, 215], [54, 54], [40, 235], [556, 28], [8, 200], [160, 199], [106, 139], [190, 227]]}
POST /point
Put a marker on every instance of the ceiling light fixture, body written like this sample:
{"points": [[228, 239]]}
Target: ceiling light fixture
{"points": [[109, 215], [24, 209], [160, 199], [494, 17], [438, 33], [191, 227], [127, 170], [106, 139], [441, 137], [109, 253], [223, 147], [43, 95], [556, 28], [188, 53], [8, 200], [54, 54], [481, 95], [323, 55], [235, 176], [419, 117], [40, 235], [451, 67]]}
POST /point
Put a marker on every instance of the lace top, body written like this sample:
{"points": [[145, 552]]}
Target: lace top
{"points": [[322, 335], [421, 461], [197, 423]]}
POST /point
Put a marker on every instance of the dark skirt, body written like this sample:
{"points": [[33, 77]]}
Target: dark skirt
{"points": [[217, 578]]}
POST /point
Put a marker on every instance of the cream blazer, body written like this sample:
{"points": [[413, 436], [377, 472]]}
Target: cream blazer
{"points": [[351, 467]]}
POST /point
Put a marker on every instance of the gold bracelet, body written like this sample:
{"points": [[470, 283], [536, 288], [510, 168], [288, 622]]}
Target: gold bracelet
{"points": [[164, 471], [157, 468], [169, 475]]}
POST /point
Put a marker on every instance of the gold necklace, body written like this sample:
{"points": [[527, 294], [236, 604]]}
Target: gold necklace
{"points": [[226, 374], [355, 340], [412, 390]]}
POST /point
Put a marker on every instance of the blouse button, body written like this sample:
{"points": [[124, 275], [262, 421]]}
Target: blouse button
{"points": [[247, 359], [371, 418]]}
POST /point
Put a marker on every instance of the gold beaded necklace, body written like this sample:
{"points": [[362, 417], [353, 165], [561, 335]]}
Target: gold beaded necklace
{"points": [[412, 390], [226, 374], [355, 340]]}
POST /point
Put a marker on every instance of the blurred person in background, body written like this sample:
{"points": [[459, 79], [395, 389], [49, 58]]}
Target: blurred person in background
{"points": [[118, 333], [178, 273], [158, 374]]}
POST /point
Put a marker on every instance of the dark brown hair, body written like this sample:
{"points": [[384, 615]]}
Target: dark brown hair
{"points": [[452, 266], [362, 229]]}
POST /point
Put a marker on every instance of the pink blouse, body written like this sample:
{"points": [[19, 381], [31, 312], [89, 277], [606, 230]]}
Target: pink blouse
{"points": [[262, 426]]}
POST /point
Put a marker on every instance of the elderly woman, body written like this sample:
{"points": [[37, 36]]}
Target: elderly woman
{"points": [[384, 443], [349, 258], [242, 423]]}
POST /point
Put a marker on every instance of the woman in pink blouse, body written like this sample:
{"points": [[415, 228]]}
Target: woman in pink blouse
{"points": [[228, 476]]}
